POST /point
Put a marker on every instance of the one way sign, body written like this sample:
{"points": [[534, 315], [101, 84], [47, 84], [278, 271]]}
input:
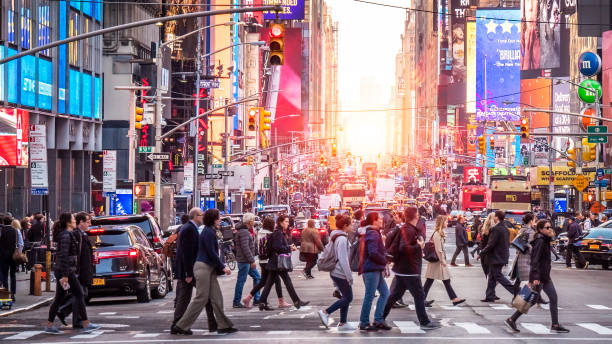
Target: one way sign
{"points": [[158, 157]]}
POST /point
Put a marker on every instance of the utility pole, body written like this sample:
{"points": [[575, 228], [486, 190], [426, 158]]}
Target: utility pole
{"points": [[196, 146], [226, 145], [551, 159]]}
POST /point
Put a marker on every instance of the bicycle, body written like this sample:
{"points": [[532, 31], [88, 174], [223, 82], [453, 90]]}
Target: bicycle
{"points": [[228, 254]]}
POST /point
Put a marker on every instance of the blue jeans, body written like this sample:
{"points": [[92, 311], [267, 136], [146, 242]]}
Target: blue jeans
{"points": [[245, 269], [342, 304], [373, 281]]}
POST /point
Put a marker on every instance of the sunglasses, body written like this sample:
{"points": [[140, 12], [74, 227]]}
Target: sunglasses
{"points": [[547, 227]]}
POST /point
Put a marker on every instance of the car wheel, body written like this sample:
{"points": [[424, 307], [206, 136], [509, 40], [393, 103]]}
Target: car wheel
{"points": [[162, 289], [144, 295]]}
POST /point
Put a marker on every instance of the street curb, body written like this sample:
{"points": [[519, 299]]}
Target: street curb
{"points": [[28, 308]]}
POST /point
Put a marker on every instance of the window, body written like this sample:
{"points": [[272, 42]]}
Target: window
{"points": [[87, 61], [73, 30], [44, 27], [11, 22], [26, 25]]}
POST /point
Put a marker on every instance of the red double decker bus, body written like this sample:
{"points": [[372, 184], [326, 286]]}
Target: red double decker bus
{"points": [[473, 197]]}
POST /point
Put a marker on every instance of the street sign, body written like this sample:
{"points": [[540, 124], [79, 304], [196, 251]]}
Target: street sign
{"points": [[38, 160], [212, 176], [210, 84], [607, 170], [596, 129], [145, 149], [560, 205], [158, 157], [109, 171], [266, 182], [580, 182], [589, 91], [597, 208], [597, 139], [600, 173], [226, 173], [589, 63], [601, 183]]}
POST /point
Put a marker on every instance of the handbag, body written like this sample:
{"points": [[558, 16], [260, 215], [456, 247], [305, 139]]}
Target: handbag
{"points": [[520, 243], [284, 262], [525, 299], [429, 251], [19, 257]]}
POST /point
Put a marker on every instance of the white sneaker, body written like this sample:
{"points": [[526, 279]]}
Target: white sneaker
{"points": [[324, 318], [346, 327]]}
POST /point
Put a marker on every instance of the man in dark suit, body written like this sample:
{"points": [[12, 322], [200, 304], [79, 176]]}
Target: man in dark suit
{"points": [[85, 269], [186, 253], [497, 252], [461, 240]]}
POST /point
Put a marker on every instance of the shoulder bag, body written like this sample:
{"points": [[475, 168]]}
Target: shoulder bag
{"points": [[520, 243], [284, 262], [429, 251]]}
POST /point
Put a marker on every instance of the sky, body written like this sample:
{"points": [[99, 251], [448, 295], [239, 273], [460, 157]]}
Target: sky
{"points": [[368, 41]]}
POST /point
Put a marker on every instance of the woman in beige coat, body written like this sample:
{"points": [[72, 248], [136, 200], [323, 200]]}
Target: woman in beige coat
{"points": [[310, 247], [439, 270]]}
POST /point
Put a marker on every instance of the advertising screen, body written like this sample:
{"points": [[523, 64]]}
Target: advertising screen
{"points": [[498, 61], [121, 204], [292, 9], [86, 89], [13, 137], [74, 92], [561, 122], [13, 81], [45, 84], [97, 97], [536, 93], [28, 80], [470, 56], [541, 34]]}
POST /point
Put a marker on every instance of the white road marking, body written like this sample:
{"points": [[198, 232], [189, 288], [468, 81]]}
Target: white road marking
{"points": [[15, 325], [94, 334], [146, 335], [595, 328], [547, 306], [113, 325], [255, 326], [499, 306], [279, 332], [599, 307], [536, 328], [408, 327], [107, 313], [450, 308], [353, 324], [165, 312], [23, 335], [472, 328], [123, 317]]}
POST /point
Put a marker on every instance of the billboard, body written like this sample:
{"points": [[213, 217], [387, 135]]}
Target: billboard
{"points": [[74, 96], [458, 35], [87, 89], [45, 84], [561, 123], [472, 174], [292, 9], [289, 101], [13, 137], [536, 93], [470, 57], [498, 64]]}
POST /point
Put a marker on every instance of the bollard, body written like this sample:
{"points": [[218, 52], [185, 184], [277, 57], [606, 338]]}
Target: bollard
{"points": [[37, 272], [48, 272]]}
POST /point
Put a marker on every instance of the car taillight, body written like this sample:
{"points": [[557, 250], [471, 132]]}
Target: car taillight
{"points": [[96, 230], [155, 239], [115, 254], [606, 245], [450, 217], [315, 216], [322, 230], [295, 231]]}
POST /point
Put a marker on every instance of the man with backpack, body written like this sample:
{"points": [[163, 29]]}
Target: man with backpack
{"points": [[405, 246]]}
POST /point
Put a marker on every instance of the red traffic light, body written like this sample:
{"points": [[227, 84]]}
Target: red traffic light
{"points": [[524, 121], [277, 30]]}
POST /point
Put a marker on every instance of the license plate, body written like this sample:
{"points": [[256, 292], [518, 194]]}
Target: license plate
{"points": [[593, 247], [98, 281]]}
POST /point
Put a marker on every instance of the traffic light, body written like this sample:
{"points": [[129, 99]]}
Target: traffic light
{"points": [[491, 142], [138, 111], [589, 150], [482, 145], [524, 128], [252, 120], [334, 149], [249, 160], [264, 125], [571, 153], [277, 44], [442, 162]]}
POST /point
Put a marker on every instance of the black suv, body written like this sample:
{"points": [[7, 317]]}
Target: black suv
{"points": [[126, 264]]}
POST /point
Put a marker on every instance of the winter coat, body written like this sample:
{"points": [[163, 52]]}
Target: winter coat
{"points": [[540, 259], [461, 237], [574, 232], [66, 254], [86, 266], [311, 241], [278, 245], [410, 255], [523, 260], [341, 250], [498, 246], [374, 257], [245, 246], [436, 270]]}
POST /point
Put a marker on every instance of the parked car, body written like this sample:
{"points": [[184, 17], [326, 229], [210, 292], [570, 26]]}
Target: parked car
{"points": [[596, 247], [126, 264], [296, 231]]}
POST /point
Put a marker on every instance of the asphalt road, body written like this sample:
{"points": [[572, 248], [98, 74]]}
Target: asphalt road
{"points": [[585, 301]]}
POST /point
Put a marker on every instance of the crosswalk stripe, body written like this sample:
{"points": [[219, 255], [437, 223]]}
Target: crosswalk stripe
{"points": [[279, 332], [599, 307], [451, 308], [146, 335], [499, 306], [165, 312], [94, 334], [408, 327], [107, 313], [23, 335], [473, 328], [536, 328], [595, 328], [352, 324]]}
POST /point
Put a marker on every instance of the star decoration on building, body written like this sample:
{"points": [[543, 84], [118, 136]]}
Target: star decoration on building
{"points": [[491, 26], [506, 27]]}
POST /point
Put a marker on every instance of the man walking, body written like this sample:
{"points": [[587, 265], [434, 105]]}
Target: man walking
{"points": [[497, 252], [574, 235], [186, 253], [245, 256], [461, 240], [85, 269]]}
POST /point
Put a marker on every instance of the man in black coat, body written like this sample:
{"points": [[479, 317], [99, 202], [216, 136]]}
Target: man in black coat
{"points": [[37, 231], [574, 235], [85, 268], [461, 240], [497, 252], [186, 254]]}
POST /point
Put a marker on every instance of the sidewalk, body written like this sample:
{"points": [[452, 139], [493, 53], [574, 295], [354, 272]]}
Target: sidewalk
{"points": [[24, 301]]}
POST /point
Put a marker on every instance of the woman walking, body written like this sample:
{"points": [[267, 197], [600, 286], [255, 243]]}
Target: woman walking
{"points": [[539, 276], [484, 240], [373, 265], [278, 245], [341, 275], [523, 259], [310, 247], [66, 253], [439, 270], [263, 236]]}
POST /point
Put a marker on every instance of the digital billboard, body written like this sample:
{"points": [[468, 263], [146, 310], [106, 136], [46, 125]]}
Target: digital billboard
{"points": [[292, 9], [13, 137], [537, 93], [498, 59], [561, 101], [74, 92], [470, 56], [87, 90], [45, 84], [28, 80], [13, 75], [97, 97]]}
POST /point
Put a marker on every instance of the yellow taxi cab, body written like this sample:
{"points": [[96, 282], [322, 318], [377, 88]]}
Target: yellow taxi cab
{"points": [[331, 219]]}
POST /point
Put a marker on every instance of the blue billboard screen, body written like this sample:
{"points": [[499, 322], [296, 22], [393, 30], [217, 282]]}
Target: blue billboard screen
{"points": [[97, 97], [45, 84], [74, 92], [498, 64], [86, 89]]}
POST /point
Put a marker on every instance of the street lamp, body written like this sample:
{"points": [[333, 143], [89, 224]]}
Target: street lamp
{"points": [[275, 130]]}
